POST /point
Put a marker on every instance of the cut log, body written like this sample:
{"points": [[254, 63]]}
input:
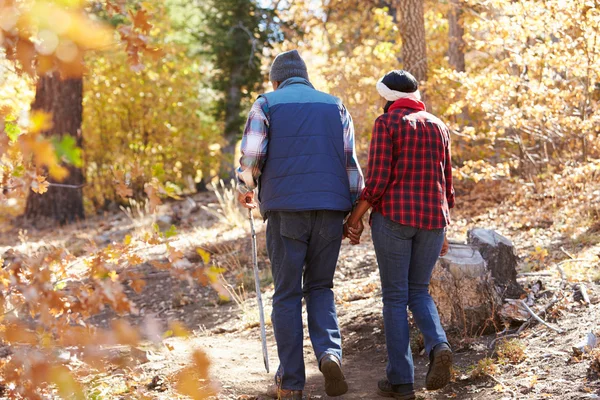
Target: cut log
{"points": [[501, 259], [464, 291]]}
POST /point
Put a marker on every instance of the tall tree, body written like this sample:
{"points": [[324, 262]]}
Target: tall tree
{"points": [[412, 32], [62, 98], [456, 41], [43, 48], [232, 34]]}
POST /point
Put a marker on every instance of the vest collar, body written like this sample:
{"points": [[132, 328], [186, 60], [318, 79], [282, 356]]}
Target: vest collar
{"points": [[294, 81]]}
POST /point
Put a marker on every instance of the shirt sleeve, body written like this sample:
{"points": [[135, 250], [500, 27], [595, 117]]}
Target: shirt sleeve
{"points": [[254, 146], [448, 175], [355, 175], [380, 164]]}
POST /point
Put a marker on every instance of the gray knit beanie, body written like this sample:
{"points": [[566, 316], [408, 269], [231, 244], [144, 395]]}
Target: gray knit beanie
{"points": [[288, 65]]}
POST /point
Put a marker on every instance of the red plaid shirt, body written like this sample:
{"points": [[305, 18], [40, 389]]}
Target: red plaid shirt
{"points": [[409, 178]]}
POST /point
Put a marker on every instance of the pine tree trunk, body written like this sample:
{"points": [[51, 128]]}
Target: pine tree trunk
{"points": [[412, 32], [63, 99], [233, 105], [456, 42]]}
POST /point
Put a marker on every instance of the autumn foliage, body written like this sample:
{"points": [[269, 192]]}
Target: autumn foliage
{"points": [[163, 97]]}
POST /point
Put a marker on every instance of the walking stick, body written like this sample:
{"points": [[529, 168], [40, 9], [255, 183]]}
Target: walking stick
{"points": [[261, 312]]}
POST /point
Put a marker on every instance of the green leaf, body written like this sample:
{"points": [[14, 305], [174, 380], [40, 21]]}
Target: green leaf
{"points": [[171, 232], [158, 171], [19, 171], [12, 130], [67, 150]]}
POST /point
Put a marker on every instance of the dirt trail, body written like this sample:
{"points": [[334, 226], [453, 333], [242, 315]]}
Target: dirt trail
{"points": [[229, 334], [236, 355]]}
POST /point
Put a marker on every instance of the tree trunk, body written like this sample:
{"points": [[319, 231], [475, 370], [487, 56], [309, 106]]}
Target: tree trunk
{"points": [[233, 105], [412, 32], [456, 42], [63, 99]]}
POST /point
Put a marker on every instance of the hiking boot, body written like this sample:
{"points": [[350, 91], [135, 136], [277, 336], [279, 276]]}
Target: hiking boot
{"points": [[440, 365], [335, 382], [275, 392], [401, 392]]}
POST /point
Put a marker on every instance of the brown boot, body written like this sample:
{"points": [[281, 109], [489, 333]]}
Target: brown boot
{"points": [[440, 367], [335, 381], [275, 392]]}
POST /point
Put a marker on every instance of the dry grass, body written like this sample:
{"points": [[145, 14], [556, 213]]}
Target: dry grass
{"points": [[484, 367], [228, 211], [511, 351]]}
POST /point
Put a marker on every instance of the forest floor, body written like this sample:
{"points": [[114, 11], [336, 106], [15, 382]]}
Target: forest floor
{"points": [[546, 225]]}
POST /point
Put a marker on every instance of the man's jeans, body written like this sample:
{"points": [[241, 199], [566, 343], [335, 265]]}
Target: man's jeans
{"points": [[406, 257], [304, 249]]}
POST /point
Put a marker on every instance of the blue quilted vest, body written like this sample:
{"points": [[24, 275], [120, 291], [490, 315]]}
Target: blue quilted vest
{"points": [[306, 165]]}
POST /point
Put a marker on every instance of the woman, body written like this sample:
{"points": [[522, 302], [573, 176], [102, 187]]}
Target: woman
{"points": [[409, 187]]}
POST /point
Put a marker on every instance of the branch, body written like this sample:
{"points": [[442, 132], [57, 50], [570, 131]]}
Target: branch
{"points": [[499, 382], [584, 294], [538, 319], [250, 35]]}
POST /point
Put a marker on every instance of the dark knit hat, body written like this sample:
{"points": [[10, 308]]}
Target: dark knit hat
{"points": [[400, 81], [288, 65]]}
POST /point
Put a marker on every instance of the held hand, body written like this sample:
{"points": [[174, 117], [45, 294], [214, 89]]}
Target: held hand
{"points": [[354, 229], [247, 200], [445, 247]]}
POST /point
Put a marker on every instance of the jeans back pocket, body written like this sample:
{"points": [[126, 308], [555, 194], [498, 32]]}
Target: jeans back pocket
{"points": [[295, 225]]}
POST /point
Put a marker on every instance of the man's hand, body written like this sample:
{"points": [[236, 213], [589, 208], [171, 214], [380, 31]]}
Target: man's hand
{"points": [[353, 229], [445, 247], [247, 200]]}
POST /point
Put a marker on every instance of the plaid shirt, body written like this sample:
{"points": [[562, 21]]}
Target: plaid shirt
{"points": [[409, 179], [256, 139]]}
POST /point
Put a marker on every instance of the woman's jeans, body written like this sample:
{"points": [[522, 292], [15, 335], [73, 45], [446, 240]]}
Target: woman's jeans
{"points": [[304, 249], [406, 257]]}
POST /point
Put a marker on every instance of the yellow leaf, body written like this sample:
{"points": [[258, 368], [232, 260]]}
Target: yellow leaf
{"points": [[113, 276], [205, 255], [58, 172], [66, 383], [40, 121], [179, 330]]}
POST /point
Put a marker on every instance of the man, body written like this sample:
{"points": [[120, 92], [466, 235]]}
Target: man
{"points": [[307, 182]]}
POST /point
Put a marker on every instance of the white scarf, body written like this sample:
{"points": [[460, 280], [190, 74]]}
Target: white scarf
{"points": [[393, 95]]}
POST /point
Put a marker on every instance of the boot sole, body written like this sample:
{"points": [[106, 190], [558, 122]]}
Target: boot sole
{"points": [[439, 375], [335, 382], [397, 396]]}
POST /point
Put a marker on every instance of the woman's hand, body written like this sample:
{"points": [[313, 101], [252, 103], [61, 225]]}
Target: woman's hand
{"points": [[445, 247]]}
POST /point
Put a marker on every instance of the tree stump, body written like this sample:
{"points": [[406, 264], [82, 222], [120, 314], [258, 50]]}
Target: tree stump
{"points": [[471, 281], [464, 291], [501, 258]]}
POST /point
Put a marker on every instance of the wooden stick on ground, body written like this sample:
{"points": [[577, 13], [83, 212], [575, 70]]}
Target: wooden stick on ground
{"points": [[499, 382], [566, 252], [584, 294], [538, 319]]}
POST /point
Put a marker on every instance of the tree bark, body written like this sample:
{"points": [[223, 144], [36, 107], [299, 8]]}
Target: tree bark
{"points": [[412, 32], [63, 99], [233, 106], [456, 32]]}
